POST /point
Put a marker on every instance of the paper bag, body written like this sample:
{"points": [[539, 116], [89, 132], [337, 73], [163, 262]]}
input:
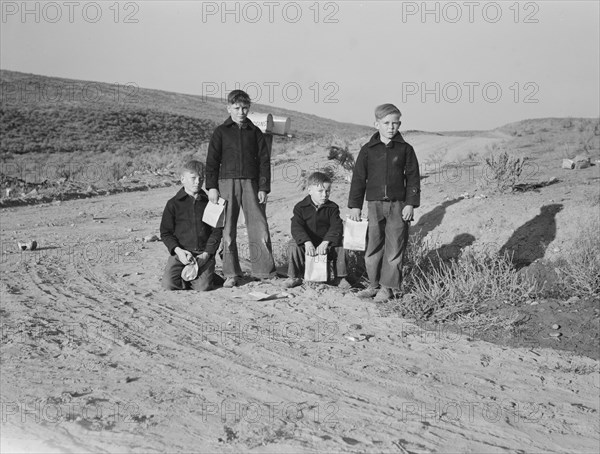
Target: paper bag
{"points": [[315, 268], [214, 213], [355, 235]]}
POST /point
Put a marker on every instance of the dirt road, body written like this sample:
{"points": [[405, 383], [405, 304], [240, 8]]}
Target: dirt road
{"points": [[96, 358]]}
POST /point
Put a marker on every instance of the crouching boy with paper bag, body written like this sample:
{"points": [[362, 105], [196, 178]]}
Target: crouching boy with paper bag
{"points": [[317, 232], [192, 243]]}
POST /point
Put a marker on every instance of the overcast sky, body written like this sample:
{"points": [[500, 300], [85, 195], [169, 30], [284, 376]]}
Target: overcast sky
{"points": [[447, 65]]}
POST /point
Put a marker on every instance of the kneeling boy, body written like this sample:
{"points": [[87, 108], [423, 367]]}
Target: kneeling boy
{"points": [[186, 236], [317, 229]]}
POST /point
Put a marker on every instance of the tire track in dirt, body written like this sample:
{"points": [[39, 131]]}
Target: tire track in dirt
{"points": [[45, 284], [183, 374], [162, 310], [226, 356]]}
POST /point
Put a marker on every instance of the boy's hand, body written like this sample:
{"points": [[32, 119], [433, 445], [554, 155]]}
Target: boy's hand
{"points": [[213, 195], [202, 258], [408, 213], [262, 197], [322, 248], [310, 248], [355, 214], [184, 256]]}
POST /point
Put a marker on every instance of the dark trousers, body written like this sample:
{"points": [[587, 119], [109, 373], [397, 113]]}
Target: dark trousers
{"points": [[336, 259], [172, 280], [387, 237]]}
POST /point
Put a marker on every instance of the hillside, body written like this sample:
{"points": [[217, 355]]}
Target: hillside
{"points": [[52, 115]]}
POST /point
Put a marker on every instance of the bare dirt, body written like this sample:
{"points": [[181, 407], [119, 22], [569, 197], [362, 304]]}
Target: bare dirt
{"points": [[97, 358]]}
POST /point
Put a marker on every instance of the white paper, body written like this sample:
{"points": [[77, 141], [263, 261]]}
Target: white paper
{"points": [[315, 268], [214, 213], [355, 235], [261, 296]]}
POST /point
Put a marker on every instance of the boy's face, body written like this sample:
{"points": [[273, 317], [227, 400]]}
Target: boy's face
{"points": [[388, 126], [319, 193], [238, 111], [192, 181]]}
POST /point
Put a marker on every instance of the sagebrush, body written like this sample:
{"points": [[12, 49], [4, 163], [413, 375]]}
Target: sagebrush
{"points": [[503, 171]]}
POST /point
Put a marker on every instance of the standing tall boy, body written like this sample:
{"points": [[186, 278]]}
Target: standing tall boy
{"points": [[386, 173], [238, 168]]}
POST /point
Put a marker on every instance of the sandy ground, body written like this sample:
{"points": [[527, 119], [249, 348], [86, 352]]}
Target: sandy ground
{"points": [[97, 358]]}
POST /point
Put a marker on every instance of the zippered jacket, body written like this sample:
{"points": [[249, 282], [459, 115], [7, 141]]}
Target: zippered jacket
{"points": [[238, 151], [386, 172], [313, 224]]}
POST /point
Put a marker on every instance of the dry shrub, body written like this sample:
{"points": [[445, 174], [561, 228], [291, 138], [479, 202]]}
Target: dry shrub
{"points": [[579, 270], [342, 156], [503, 171], [417, 259], [458, 289]]}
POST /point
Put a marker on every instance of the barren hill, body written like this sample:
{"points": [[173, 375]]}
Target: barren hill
{"points": [[49, 115]]}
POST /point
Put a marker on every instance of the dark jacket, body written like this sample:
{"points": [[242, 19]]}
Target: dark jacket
{"points": [[316, 225], [182, 225], [238, 152], [386, 172]]}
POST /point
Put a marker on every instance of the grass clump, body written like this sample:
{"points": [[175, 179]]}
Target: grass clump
{"points": [[463, 288], [579, 269]]}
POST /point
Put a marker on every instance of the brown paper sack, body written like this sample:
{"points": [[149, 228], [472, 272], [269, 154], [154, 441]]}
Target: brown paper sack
{"points": [[315, 268], [355, 235]]}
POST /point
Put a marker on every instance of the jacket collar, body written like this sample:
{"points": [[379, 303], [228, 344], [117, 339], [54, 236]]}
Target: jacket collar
{"points": [[375, 139], [182, 195], [247, 124], [307, 202]]}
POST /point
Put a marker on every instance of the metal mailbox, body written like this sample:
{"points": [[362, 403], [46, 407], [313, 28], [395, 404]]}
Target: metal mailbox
{"points": [[264, 121], [271, 126], [281, 125]]}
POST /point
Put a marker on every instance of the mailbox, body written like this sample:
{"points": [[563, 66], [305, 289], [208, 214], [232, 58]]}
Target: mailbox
{"points": [[281, 125], [270, 126], [262, 121]]}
